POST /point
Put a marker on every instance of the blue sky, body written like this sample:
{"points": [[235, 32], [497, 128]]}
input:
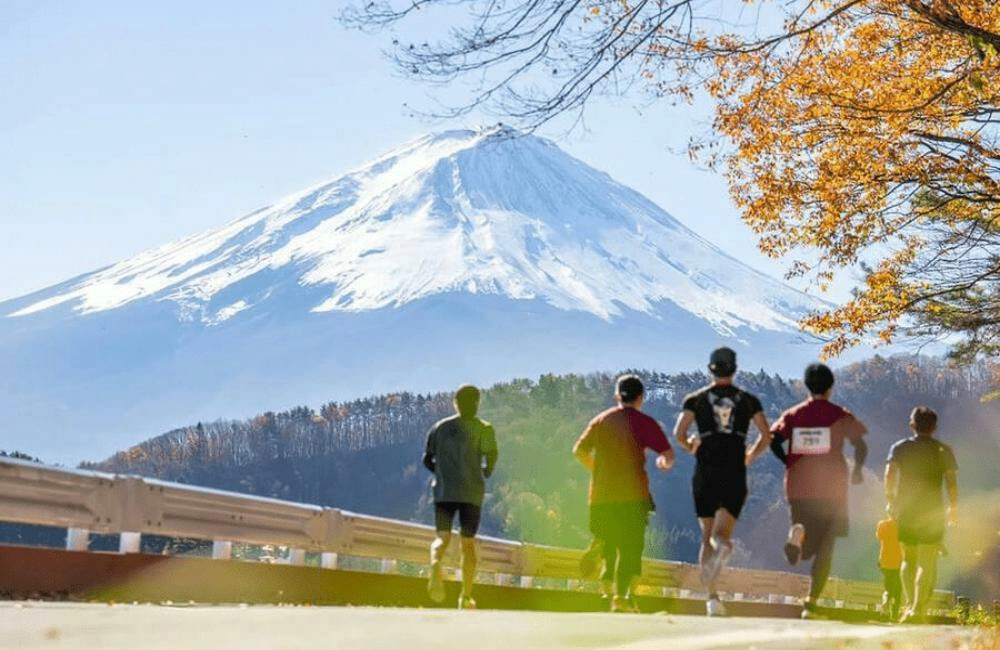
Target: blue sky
{"points": [[125, 125]]}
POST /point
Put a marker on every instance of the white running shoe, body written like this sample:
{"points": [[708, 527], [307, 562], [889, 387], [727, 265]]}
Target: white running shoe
{"points": [[793, 547], [714, 607]]}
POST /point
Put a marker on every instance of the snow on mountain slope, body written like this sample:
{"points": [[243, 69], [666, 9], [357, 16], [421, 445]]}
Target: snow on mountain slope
{"points": [[467, 256], [478, 212]]}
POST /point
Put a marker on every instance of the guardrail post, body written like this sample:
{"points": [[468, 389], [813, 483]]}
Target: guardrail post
{"points": [[296, 556], [77, 539], [328, 560], [130, 542], [222, 550]]}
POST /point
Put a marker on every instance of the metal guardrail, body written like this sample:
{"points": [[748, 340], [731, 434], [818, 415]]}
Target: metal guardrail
{"points": [[84, 501]]}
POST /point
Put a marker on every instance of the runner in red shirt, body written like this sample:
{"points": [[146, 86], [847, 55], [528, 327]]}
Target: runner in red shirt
{"points": [[816, 475], [613, 448]]}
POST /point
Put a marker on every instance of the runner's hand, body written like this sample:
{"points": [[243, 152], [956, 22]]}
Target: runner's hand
{"points": [[663, 463], [952, 516], [694, 441]]}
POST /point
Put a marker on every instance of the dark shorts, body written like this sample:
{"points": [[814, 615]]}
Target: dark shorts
{"points": [[823, 519], [719, 489], [468, 517], [622, 528], [918, 527], [892, 582]]}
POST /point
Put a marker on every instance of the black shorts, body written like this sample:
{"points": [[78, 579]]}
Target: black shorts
{"points": [[622, 528], [719, 489], [822, 519], [468, 517], [921, 526]]}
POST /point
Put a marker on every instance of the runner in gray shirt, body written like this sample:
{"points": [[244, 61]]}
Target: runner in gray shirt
{"points": [[461, 451]]}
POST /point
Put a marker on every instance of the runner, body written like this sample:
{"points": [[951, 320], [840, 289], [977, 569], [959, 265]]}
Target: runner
{"points": [[890, 556], [461, 451], [816, 475], [613, 448], [915, 470], [722, 413]]}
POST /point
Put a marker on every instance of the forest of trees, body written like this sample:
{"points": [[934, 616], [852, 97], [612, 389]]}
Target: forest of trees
{"points": [[364, 455]]}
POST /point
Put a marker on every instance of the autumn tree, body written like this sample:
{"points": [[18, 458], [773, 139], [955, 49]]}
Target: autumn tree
{"points": [[853, 133]]}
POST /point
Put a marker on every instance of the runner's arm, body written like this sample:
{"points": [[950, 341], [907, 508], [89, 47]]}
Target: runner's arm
{"points": [[490, 453], [779, 433], [665, 460], [763, 440], [860, 454], [778, 449], [583, 450], [891, 485], [684, 421], [584, 456], [951, 485], [429, 447]]}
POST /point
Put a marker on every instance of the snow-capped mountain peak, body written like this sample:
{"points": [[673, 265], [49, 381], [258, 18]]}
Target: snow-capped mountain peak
{"points": [[479, 212]]}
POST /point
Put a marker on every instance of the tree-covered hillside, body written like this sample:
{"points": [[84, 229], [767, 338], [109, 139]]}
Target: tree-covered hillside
{"points": [[364, 455]]}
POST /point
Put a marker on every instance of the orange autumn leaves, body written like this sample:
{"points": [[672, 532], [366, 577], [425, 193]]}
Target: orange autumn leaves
{"points": [[872, 136]]}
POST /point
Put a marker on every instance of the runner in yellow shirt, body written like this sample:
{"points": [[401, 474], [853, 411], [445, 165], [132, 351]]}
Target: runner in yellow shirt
{"points": [[890, 557]]}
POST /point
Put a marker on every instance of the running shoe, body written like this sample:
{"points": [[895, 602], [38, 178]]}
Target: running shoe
{"points": [[793, 547], [810, 612], [624, 605], [435, 584], [714, 607], [467, 602]]}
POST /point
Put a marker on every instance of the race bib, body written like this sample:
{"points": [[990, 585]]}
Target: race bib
{"points": [[811, 440]]}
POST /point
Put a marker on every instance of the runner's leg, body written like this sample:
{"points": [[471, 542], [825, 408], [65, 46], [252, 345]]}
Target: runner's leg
{"points": [[820, 571], [468, 565], [707, 524], [722, 545], [908, 573], [444, 514], [630, 553], [927, 556], [468, 515], [435, 585]]}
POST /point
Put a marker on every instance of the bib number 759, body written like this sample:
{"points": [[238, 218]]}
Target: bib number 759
{"points": [[811, 440]]}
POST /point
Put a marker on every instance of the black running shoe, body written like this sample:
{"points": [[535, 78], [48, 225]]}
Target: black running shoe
{"points": [[792, 553]]}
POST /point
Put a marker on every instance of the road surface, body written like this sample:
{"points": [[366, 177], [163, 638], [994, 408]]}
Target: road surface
{"points": [[29, 625]]}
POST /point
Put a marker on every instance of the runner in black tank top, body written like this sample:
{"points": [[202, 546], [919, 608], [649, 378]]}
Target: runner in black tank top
{"points": [[722, 413]]}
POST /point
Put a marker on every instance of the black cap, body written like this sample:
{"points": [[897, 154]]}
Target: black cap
{"points": [[629, 388], [818, 378], [722, 363]]}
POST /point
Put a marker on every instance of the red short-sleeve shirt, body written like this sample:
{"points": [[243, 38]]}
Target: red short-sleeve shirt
{"points": [[618, 439], [816, 429]]}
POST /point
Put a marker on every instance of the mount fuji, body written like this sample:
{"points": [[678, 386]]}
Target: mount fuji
{"points": [[462, 256]]}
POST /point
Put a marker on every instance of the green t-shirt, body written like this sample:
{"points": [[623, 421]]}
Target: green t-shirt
{"points": [[461, 452]]}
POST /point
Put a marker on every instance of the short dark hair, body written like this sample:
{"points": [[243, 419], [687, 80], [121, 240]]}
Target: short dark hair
{"points": [[818, 378], [467, 400], [924, 420], [629, 388], [722, 362]]}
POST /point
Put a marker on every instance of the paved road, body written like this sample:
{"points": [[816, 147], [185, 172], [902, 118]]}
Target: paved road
{"points": [[138, 627]]}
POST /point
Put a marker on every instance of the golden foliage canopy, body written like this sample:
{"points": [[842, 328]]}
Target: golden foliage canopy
{"points": [[852, 132]]}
